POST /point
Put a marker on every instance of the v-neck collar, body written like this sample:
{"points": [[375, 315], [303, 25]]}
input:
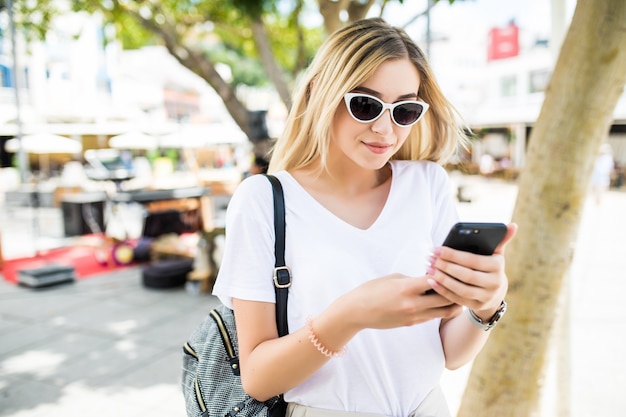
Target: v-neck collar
{"points": [[325, 211]]}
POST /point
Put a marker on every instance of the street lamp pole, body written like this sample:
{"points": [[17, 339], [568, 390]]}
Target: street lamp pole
{"points": [[15, 80]]}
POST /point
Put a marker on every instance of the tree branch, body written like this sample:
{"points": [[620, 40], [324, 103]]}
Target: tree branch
{"points": [[300, 63], [358, 10], [198, 64], [269, 63]]}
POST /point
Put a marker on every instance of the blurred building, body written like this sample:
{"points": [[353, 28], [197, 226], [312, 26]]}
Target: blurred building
{"points": [[80, 85], [497, 75]]}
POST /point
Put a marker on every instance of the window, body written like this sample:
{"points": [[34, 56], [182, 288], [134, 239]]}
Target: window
{"points": [[538, 81], [5, 76], [508, 86]]}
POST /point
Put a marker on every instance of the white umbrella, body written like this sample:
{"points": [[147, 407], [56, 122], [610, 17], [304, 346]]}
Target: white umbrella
{"points": [[203, 136], [133, 140], [44, 143]]}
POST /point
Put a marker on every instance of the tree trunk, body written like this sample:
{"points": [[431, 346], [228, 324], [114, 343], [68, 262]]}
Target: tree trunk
{"points": [[301, 59], [331, 12], [330, 9], [357, 10], [269, 63], [588, 79]]}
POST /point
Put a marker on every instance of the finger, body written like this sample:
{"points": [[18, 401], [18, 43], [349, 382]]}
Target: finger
{"points": [[453, 261], [417, 286], [443, 291], [455, 290], [437, 302], [511, 230], [433, 298], [449, 311]]}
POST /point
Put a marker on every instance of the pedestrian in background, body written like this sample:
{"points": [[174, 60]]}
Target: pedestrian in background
{"points": [[602, 171], [375, 305], [258, 166]]}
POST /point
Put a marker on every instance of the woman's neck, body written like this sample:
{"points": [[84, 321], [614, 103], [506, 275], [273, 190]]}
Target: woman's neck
{"points": [[342, 179]]}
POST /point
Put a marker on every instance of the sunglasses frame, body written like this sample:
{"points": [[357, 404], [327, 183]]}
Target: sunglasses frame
{"points": [[391, 106]]}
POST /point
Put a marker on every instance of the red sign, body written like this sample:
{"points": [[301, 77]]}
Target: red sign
{"points": [[503, 42]]}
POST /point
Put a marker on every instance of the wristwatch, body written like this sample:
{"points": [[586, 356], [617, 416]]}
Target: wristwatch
{"points": [[478, 322]]}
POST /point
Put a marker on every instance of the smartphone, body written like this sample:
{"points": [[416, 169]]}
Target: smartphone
{"points": [[479, 238]]}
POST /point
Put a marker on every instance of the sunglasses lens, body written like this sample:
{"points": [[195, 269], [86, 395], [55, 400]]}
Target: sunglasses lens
{"points": [[407, 113], [365, 108]]}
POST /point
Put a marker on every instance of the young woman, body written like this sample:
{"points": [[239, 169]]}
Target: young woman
{"points": [[367, 206]]}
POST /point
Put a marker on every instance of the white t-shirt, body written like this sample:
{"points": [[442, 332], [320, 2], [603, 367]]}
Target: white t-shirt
{"points": [[383, 371]]}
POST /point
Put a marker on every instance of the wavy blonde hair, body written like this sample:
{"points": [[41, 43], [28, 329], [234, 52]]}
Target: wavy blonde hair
{"points": [[346, 60]]}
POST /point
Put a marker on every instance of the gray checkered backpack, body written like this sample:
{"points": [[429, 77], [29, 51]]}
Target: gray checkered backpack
{"points": [[211, 381]]}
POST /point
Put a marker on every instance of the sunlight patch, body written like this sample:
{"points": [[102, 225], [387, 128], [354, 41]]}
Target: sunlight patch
{"points": [[126, 345], [122, 327], [37, 362]]}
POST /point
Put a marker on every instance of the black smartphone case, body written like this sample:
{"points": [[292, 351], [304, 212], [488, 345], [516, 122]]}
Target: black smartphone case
{"points": [[479, 238]]}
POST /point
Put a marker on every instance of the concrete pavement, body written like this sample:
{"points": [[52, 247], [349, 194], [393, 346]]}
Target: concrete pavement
{"points": [[103, 346], [106, 345]]}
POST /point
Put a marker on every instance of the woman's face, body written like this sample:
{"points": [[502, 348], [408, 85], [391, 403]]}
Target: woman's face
{"points": [[370, 145]]}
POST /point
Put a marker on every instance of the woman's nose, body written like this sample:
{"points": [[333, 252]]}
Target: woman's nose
{"points": [[383, 125]]}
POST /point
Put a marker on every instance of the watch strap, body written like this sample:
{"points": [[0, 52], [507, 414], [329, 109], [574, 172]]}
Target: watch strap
{"points": [[488, 324]]}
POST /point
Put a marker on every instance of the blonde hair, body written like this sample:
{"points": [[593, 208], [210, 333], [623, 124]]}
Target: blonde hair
{"points": [[347, 59]]}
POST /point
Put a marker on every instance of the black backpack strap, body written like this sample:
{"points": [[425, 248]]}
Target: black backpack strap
{"points": [[282, 274]]}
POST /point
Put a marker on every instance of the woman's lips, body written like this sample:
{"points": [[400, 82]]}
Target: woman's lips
{"points": [[377, 148]]}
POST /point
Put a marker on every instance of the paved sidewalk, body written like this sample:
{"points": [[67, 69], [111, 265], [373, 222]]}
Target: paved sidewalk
{"points": [[100, 346], [108, 346]]}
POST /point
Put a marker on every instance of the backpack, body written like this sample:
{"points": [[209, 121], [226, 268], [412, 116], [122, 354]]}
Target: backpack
{"points": [[211, 381]]}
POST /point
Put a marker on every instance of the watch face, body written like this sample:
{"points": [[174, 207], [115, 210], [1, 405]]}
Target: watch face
{"points": [[496, 317]]}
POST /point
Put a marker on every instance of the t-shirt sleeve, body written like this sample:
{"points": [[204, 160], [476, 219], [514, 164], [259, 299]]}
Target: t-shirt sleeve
{"points": [[247, 265]]}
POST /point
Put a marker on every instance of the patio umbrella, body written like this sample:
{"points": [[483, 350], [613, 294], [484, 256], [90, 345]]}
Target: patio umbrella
{"points": [[133, 140], [44, 144]]}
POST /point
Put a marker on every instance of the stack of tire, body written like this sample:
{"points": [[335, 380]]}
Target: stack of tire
{"points": [[167, 273]]}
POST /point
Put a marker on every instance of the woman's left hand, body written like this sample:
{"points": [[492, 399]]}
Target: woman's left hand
{"points": [[476, 281]]}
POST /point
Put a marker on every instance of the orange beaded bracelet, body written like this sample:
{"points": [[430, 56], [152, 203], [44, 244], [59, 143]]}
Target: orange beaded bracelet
{"points": [[318, 345]]}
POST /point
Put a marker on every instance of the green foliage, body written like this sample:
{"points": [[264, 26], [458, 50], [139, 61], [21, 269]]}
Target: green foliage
{"points": [[241, 50], [284, 36], [152, 155], [245, 70], [132, 35], [33, 17], [221, 29], [128, 30], [198, 24], [254, 8], [172, 154]]}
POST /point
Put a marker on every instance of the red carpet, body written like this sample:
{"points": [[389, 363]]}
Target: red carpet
{"points": [[85, 260]]}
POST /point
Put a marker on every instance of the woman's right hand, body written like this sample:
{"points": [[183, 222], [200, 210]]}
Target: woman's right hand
{"points": [[394, 300]]}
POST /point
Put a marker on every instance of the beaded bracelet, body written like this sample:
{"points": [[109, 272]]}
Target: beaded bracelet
{"points": [[318, 345]]}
